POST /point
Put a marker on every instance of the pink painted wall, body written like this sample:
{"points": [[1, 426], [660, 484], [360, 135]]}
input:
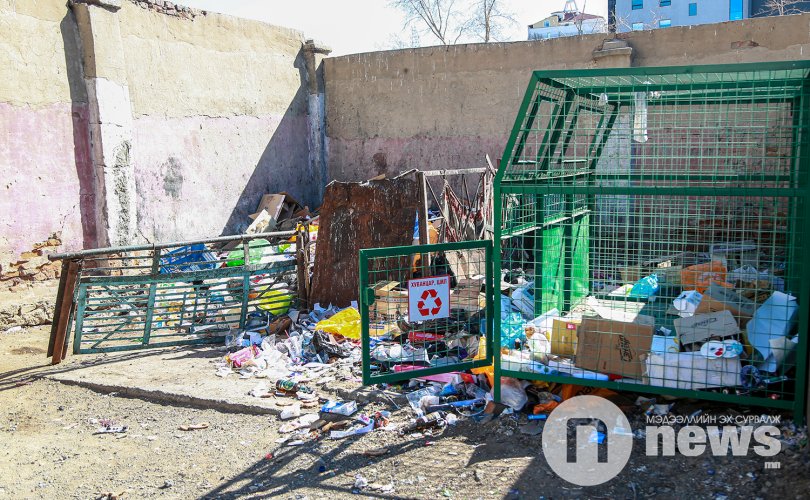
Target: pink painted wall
{"points": [[44, 157]]}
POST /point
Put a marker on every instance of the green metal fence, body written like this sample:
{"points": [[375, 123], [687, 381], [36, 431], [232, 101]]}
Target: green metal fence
{"points": [[650, 232], [179, 293], [425, 309]]}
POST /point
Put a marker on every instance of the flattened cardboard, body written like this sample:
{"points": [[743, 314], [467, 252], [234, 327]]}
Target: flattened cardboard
{"points": [[390, 301], [718, 298], [613, 347], [701, 327]]}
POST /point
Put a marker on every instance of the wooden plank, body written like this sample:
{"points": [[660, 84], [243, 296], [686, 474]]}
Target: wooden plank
{"points": [[57, 310], [65, 307]]}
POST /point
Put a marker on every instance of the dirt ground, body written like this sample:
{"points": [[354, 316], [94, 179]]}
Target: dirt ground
{"points": [[48, 449]]}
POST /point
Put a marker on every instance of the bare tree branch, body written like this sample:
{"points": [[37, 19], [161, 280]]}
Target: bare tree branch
{"points": [[783, 7], [437, 17], [454, 21]]}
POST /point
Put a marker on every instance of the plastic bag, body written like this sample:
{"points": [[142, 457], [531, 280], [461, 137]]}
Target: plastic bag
{"points": [[513, 393], [645, 287], [747, 274], [523, 300], [345, 323], [512, 330], [699, 277], [256, 249], [275, 301]]}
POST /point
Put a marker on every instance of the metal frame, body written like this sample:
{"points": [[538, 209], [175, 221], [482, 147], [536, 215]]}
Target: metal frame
{"points": [[108, 274], [367, 298], [798, 193]]}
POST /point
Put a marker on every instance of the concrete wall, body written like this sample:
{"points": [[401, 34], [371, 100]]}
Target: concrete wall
{"points": [[219, 108], [44, 147], [123, 121], [446, 107]]}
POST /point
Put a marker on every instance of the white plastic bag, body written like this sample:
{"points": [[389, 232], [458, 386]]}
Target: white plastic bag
{"points": [[523, 300], [513, 393], [771, 323]]}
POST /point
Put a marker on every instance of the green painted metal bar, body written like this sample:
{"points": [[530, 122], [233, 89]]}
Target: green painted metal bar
{"points": [[803, 174], [80, 308], [150, 303], [138, 248], [139, 346], [510, 144], [655, 389], [364, 300], [424, 372], [520, 188], [757, 67], [613, 90], [521, 144], [490, 299], [555, 130]]}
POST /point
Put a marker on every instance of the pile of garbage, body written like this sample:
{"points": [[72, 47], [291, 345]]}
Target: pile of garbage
{"points": [[305, 347], [690, 321]]}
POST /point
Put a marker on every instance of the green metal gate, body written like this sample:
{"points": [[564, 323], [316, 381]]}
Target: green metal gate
{"points": [[184, 293], [449, 286], [659, 217]]}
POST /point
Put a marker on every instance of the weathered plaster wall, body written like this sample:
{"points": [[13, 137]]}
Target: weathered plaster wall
{"points": [[44, 148], [445, 107], [130, 120], [219, 118]]}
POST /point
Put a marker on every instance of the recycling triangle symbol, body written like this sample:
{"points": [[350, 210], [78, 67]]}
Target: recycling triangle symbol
{"points": [[429, 304]]}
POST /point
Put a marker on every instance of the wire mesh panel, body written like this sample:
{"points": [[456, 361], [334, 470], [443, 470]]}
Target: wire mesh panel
{"points": [[425, 309], [183, 294], [651, 232]]}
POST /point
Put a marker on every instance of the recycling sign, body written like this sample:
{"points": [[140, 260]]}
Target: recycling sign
{"points": [[429, 298]]}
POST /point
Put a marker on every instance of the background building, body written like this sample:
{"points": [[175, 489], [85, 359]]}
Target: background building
{"points": [[567, 22], [634, 15]]}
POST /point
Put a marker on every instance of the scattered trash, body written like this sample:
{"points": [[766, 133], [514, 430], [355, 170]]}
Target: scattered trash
{"points": [[194, 427], [377, 452], [110, 427]]}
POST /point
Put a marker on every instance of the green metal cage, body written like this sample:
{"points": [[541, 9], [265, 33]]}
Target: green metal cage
{"points": [[650, 232]]}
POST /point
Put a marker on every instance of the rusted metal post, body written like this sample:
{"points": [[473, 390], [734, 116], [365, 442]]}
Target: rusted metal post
{"points": [[424, 236]]}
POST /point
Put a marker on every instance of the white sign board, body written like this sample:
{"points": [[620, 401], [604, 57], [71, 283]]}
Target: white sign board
{"points": [[429, 298]]}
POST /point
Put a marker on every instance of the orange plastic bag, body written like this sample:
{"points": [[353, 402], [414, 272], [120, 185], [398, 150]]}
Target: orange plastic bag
{"points": [[699, 277]]}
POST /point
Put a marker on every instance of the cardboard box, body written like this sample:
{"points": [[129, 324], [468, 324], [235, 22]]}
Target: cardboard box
{"points": [[702, 327], [613, 347], [668, 268], [390, 301], [564, 336], [467, 295], [665, 343], [718, 298], [691, 370], [279, 206]]}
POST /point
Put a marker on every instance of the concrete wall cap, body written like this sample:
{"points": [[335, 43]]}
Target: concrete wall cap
{"points": [[112, 5]]}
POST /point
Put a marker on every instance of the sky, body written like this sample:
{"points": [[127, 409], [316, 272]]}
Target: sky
{"points": [[352, 26]]}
